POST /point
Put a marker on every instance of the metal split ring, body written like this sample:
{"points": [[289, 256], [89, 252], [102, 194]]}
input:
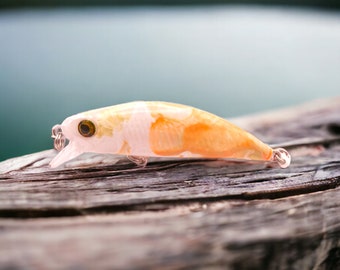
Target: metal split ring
{"points": [[281, 157], [59, 138]]}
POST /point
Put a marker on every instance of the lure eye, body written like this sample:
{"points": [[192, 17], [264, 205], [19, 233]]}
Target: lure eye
{"points": [[86, 128]]}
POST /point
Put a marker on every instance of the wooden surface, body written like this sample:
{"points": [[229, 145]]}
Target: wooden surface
{"points": [[101, 212]]}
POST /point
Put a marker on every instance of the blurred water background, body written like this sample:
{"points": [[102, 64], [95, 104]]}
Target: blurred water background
{"points": [[230, 60]]}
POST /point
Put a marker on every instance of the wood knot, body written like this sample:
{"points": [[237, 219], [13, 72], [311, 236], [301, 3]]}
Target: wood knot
{"points": [[334, 128]]}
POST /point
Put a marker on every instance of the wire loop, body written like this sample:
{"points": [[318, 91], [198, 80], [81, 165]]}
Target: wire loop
{"points": [[281, 157], [59, 138]]}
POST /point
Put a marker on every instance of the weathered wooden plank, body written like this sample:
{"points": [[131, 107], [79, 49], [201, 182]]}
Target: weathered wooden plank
{"points": [[103, 212], [91, 189], [241, 235]]}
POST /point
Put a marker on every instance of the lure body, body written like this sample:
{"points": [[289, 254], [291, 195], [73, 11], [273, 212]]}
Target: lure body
{"points": [[157, 129]]}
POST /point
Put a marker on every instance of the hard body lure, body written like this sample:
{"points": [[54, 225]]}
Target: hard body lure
{"points": [[158, 129]]}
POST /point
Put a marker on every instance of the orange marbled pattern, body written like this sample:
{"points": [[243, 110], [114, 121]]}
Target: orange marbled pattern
{"points": [[206, 135]]}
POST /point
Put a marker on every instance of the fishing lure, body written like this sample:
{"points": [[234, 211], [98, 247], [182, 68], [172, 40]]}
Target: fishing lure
{"points": [[143, 129]]}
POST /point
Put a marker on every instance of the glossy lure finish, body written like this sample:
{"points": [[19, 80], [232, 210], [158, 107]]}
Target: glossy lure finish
{"points": [[143, 129]]}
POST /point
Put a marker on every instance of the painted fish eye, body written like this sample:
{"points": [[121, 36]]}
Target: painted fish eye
{"points": [[86, 128]]}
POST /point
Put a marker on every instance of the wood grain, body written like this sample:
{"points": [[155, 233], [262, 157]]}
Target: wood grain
{"points": [[102, 212]]}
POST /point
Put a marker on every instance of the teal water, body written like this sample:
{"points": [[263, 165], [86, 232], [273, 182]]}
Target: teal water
{"points": [[228, 60]]}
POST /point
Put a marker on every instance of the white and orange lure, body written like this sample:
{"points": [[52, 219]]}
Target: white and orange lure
{"points": [[143, 129]]}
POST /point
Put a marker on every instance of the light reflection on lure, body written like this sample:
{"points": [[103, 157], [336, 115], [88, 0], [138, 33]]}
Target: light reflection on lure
{"points": [[158, 129]]}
